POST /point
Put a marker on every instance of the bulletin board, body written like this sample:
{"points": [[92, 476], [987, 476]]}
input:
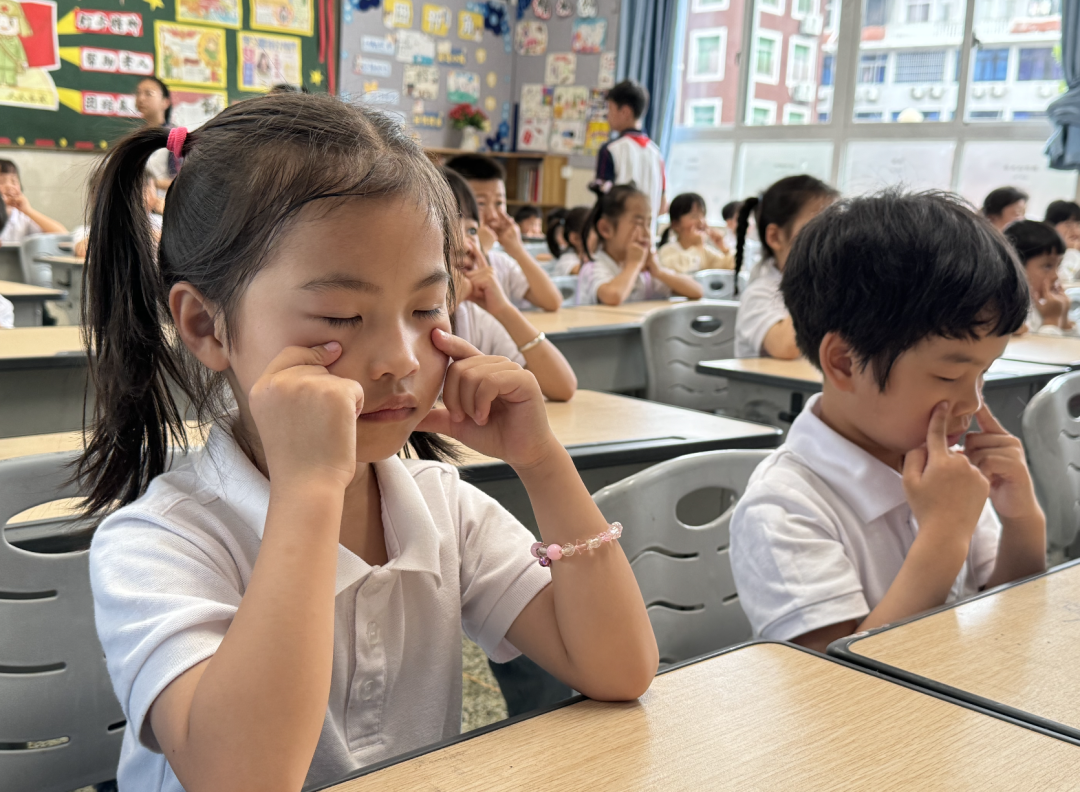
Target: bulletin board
{"points": [[67, 80]]}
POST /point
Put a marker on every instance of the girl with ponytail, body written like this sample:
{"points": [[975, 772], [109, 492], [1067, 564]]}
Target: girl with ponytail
{"points": [[695, 245], [763, 325], [284, 605]]}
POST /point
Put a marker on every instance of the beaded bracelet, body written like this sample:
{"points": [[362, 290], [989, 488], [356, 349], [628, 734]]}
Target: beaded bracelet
{"points": [[553, 552]]}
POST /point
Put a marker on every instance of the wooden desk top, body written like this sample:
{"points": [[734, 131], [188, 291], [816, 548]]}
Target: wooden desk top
{"points": [[42, 346], [47, 258], [1013, 650], [24, 291], [761, 717], [1055, 351], [626, 317]]}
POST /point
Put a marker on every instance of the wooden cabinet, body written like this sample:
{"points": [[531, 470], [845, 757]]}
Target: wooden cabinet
{"points": [[531, 177]]}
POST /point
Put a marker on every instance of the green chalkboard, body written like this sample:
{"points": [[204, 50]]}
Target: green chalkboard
{"points": [[68, 68]]}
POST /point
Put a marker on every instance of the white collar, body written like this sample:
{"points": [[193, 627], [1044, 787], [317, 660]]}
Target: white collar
{"points": [[861, 479], [412, 540]]}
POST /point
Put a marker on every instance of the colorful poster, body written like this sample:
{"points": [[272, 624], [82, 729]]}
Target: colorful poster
{"points": [[87, 20], [435, 19], [225, 13], [192, 109], [371, 67], [397, 13], [589, 36], [450, 54], [533, 134], [541, 9], [607, 70], [561, 68], [428, 120], [286, 16], [470, 26], [377, 45], [530, 37], [29, 50], [95, 59], [536, 101], [190, 55], [567, 137], [571, 102], [462, 86], [597, 133], [421, 82], [415, 47], [377, 97], [266, 61], [564, 8]]}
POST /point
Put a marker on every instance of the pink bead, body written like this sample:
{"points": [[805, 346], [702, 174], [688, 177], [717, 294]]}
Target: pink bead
{"points": [[535, 549], [554, 552]]}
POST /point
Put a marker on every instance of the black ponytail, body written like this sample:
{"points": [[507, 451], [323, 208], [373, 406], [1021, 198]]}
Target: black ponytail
{"points": [[555, 221], [681, 205], [135, 418], [741, 225]]}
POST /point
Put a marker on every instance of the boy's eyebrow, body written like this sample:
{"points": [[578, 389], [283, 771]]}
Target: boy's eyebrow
{"points": [[958, 357]]}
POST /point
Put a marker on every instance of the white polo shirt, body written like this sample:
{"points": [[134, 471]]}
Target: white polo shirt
{"points": [[7, 313], [604, 268], [168, 573], [18, 227], [823, 530], [510, 277], [484, 332], [761, 306]]}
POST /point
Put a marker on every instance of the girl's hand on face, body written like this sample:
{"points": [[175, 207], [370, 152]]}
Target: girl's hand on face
{"points": [[637, 252], [717, 238], [490, 404], [306, 416], [1053, 307]]}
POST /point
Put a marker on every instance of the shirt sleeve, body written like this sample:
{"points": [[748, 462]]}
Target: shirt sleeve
{"points": [[984, 545], [592, 276], [162, 604], [605, 165], [511, 278], [714, 259], [790, 568], [760, 309], [499, 576], [491, 338], [7, 313]]}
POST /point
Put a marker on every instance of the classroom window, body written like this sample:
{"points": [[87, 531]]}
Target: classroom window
{"points": [[920, 67], [708, 54], [872, 68], [991, 65], [1037, 63], [704, 112]]}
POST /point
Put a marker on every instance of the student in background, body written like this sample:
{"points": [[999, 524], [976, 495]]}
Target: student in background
{"points": [[730, 215], [1004, 205], [522, 278], [625, 267], [870, 513], [529, 221], [242, 596], [23, 220], [695, 246], [487, 319], [631, 158], [570, 256], [1064, 216], [556, 220], [1040, 249], [154, 103], [150, 200], [763, 325]]}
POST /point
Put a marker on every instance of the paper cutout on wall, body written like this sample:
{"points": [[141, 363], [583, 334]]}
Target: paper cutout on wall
{"points": [[110, 23], [607, 70], [536, 100], [435, 19], [226, 13], [462, 86], [377, 45], [480, 55], [560, 69], [29, 50], [289, 16], [397, 13], [371, 67], [597, 133], [380, 97], [589, 36], [415, 47], [564, 8], [192, 109], [567, 137], [492, 79], [421, 82], [470, 26], [533, 134], [94, 59], [191, 55], [448, 53], [490, 103], [428, 120], [587, 8], [530, 37], [267, 60], [571, 102], [541, 9]]}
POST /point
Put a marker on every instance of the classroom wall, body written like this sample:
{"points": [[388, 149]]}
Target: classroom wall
{"points": [[577, 187], [55, 181]]}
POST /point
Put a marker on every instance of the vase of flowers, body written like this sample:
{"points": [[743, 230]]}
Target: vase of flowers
{"points": [[471, 121]]}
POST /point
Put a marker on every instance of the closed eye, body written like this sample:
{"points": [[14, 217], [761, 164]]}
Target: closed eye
{"points": [[947, 379], [346, 321], [432, 313]]}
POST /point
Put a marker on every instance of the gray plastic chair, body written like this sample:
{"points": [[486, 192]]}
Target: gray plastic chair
{"points": [[567, 285], [718, 284], [1051, 425], [35, 272], [684, 571], [53, 680], [676, 339]]}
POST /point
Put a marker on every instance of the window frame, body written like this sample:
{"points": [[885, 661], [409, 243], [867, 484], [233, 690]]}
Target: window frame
{"points": [[697, 35], [715, 102], [702, 7]]}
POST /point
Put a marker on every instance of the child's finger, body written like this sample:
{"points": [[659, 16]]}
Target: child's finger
{"points": [[323, 355], [914, 464], [438, 421], [937, 442], [988, 424], [454, 346]]}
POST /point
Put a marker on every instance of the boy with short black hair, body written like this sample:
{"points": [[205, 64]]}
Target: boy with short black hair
{"points": [[631, 158], [869, 513], [530, 222], [522, 279]]}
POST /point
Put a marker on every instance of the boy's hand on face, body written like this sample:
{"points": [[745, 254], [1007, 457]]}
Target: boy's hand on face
{"points": [[485, 290], [1052, 304], [506, 230], [946, 491], [1000, 458]]}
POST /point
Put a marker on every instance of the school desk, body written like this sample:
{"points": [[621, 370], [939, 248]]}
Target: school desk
{"points": [[28, 301], [758, 717], [774, 391], [1012, 650], [68, 275], [1049, 350], [11, 262], [42, 380]]}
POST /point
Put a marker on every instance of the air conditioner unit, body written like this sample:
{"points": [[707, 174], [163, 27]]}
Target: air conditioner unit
{"points": [[937, 91], [812, 25], [802, 92], [872, 95], [978, 91], [918, 92], [1046, 91], [997, 91]]}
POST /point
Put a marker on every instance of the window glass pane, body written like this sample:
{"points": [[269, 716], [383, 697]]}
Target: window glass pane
{"points": [[704, 167], [792, 61], [1016, 69], [708, 86], [760, 164], [870, 165], [908, 60], [985, 165]]}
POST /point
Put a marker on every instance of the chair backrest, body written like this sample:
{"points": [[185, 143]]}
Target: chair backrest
{"points": [[684, 571], [11, 263], [718, 284], [676, 339], [53, 680], [567, 285], [1074, 303], [35, 272], [1051, 425]]}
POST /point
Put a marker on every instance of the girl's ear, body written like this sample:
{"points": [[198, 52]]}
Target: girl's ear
{"points": [[195, 319], [605, 228], [775, 237]]}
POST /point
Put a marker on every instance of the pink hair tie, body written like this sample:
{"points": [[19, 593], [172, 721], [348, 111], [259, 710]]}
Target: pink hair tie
{"points": [[175, 145]]}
